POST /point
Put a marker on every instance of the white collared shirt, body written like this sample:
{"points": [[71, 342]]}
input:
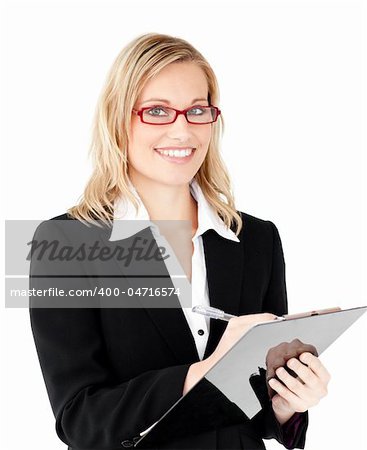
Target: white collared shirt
{"points": [[207, 219]]}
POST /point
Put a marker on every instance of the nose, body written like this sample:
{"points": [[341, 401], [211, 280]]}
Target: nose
{"points": [[179, 128]]}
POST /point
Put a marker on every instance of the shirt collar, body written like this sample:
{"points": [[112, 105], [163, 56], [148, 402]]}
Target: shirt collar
{"points": [[124, 210]]}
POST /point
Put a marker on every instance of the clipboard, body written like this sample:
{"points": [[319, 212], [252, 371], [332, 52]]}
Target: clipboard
{"points": [[231, 376]]}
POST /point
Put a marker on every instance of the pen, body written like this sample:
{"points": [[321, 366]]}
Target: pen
{"points": [[216, 313]]}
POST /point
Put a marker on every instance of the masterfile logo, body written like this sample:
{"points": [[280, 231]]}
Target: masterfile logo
{"points": [[67, 264]]}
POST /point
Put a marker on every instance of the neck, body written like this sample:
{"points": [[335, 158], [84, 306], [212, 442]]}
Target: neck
{"points": [[167, 202]]}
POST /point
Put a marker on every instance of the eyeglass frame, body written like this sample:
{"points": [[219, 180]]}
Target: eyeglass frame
{"points": [[178, 112]]}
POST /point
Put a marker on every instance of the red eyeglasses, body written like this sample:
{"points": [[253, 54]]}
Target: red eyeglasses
{"points": [[163, 115]]}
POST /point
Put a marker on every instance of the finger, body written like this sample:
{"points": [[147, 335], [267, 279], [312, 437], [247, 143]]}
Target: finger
{"points": [[292, 383], [296, 403], [250, 320], [304, 372], [314, 363], [305, 397], [314, 388], [261, 317]]}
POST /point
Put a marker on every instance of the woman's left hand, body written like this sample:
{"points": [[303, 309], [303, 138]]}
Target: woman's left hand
{"points": [[303, 392]]}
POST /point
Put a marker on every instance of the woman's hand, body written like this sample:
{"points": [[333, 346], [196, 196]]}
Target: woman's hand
{"points": [[237, 327], [301, 393]]}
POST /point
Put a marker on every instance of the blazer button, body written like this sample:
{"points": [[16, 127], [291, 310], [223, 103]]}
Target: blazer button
{"points": [[127, 443], [201, 332]]}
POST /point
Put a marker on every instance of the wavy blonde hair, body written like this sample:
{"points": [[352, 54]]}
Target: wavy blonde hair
{"points": [[140, 60]]}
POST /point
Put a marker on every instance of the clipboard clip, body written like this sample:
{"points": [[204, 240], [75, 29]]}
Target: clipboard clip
{"points": [[317, 312]]}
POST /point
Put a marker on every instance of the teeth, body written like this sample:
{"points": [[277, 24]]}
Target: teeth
{"points": [[176, 153]]}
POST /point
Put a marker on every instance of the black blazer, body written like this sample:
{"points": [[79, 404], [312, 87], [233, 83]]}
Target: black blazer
{"points": [[111, 373]]}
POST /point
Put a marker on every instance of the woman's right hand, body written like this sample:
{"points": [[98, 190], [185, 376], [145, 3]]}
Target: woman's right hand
{"points": [[237, 327]]}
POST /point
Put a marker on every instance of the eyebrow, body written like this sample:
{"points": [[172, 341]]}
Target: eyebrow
{"points": [[167, 101]]}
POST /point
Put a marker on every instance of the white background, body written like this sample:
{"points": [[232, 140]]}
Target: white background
{"points": [[293, 94]]}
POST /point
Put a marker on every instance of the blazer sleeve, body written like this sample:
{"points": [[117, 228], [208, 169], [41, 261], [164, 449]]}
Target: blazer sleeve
{"points": [[293, 433], [90, 408]]}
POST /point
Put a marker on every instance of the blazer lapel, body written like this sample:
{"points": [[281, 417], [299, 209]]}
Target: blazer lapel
{"points": [[170, 321], [224, 267]]}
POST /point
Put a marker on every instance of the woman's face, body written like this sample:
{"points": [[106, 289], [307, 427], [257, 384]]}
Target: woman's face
{"points": [[181, 85]]}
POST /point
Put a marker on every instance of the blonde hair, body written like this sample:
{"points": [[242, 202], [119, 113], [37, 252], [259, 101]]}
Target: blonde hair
{"points": [[139, 61]]}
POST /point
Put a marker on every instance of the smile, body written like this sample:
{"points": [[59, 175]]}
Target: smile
{"points": [[175, 153], [178, 156]]}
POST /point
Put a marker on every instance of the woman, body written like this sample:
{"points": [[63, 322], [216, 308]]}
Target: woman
{"points": [[111, 373]]}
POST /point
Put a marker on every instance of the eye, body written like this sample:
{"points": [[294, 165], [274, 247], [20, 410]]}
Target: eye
{"points": [[155, 111], [196, 111]]}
